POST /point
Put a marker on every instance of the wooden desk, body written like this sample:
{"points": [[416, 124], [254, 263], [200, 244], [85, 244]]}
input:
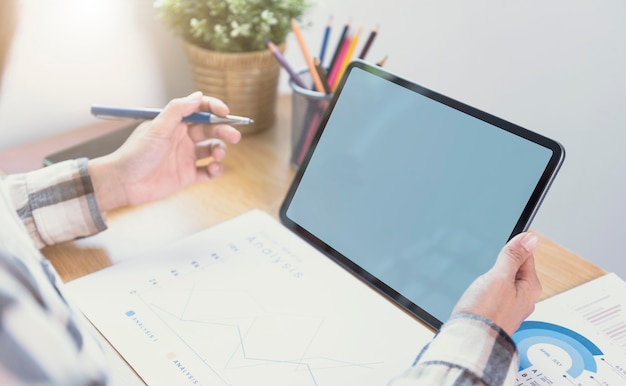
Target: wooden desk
{"points": [[257, 175]]}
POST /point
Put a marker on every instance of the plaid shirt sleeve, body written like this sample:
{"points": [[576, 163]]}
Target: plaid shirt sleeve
{"points": [[56, 203], [468, 350], [43, 340]]}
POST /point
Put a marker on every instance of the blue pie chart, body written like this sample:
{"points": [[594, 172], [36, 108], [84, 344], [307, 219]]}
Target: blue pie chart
{"points": [[580, 349]]}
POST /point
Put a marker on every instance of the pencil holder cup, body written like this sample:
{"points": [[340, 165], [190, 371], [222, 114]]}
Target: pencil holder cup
{"points": [[307, 110]]}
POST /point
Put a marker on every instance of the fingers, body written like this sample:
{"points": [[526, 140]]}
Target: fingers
{"points": [[178, 108], [529, 241], [209, 139], [212, 148], [516, 262], [214, 105], [174, 112], [507, 293], [210, 171], [226, 133], [515, 253], [528, 274]]}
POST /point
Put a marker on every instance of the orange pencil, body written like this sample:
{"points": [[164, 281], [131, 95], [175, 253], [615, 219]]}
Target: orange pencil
{"points": [[307, 57], [346, 59]]}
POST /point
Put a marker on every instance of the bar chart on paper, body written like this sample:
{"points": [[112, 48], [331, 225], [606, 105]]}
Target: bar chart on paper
{"points": [[577, 337], [246, 301]]}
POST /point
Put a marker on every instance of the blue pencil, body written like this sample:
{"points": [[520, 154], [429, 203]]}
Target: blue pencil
{"points": [[325, 39]]}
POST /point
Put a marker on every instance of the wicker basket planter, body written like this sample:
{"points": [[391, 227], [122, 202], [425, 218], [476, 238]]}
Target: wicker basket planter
{"points": [[247, 82]]}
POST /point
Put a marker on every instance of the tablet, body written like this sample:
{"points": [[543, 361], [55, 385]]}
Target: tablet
{"points": [[415, 192]]}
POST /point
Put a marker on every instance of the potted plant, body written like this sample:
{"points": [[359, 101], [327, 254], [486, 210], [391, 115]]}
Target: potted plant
{"points": [[225, 41]]}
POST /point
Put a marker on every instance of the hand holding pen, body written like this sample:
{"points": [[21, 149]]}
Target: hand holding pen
{"points": [[165, 154]]}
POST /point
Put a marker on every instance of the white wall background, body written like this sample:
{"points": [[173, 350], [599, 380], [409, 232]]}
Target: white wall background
{"points": [[69, 54], [554, 67]]}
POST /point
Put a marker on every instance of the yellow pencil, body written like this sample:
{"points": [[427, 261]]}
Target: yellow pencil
{"points": [[347, 58], [319, 86]]}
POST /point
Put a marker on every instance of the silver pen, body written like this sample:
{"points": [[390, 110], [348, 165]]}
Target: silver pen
{"points": [[150, 113]]}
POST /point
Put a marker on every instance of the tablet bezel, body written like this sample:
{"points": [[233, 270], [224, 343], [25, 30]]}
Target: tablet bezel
{"points": [[525, 218]]}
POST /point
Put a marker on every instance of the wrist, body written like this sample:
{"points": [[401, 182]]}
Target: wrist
{"points": [[108, 190], [475, 345]]}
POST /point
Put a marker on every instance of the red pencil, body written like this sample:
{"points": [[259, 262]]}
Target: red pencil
{"points": [[346, 59], [334, 72], [310, 133]]}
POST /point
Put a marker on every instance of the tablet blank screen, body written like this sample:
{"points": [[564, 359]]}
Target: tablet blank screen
{"points": [[420, 195]]}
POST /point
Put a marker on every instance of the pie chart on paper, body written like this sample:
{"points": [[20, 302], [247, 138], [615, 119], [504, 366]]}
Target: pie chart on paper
{"points": [[551, 345]]}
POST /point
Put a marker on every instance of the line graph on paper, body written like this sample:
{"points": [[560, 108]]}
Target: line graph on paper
{"points": [[233, 309], [255, 337]]}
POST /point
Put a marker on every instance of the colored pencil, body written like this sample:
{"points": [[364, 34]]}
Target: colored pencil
{"points": [[322, 73], [284, 64], [310, 133], [307, 57], [342, 37], [381, 62], [368, 43], [346, 59], [325, 38], [334, 72]]}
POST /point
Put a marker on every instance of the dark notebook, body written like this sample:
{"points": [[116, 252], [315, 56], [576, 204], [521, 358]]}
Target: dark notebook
{"points": [[93, 148]]}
